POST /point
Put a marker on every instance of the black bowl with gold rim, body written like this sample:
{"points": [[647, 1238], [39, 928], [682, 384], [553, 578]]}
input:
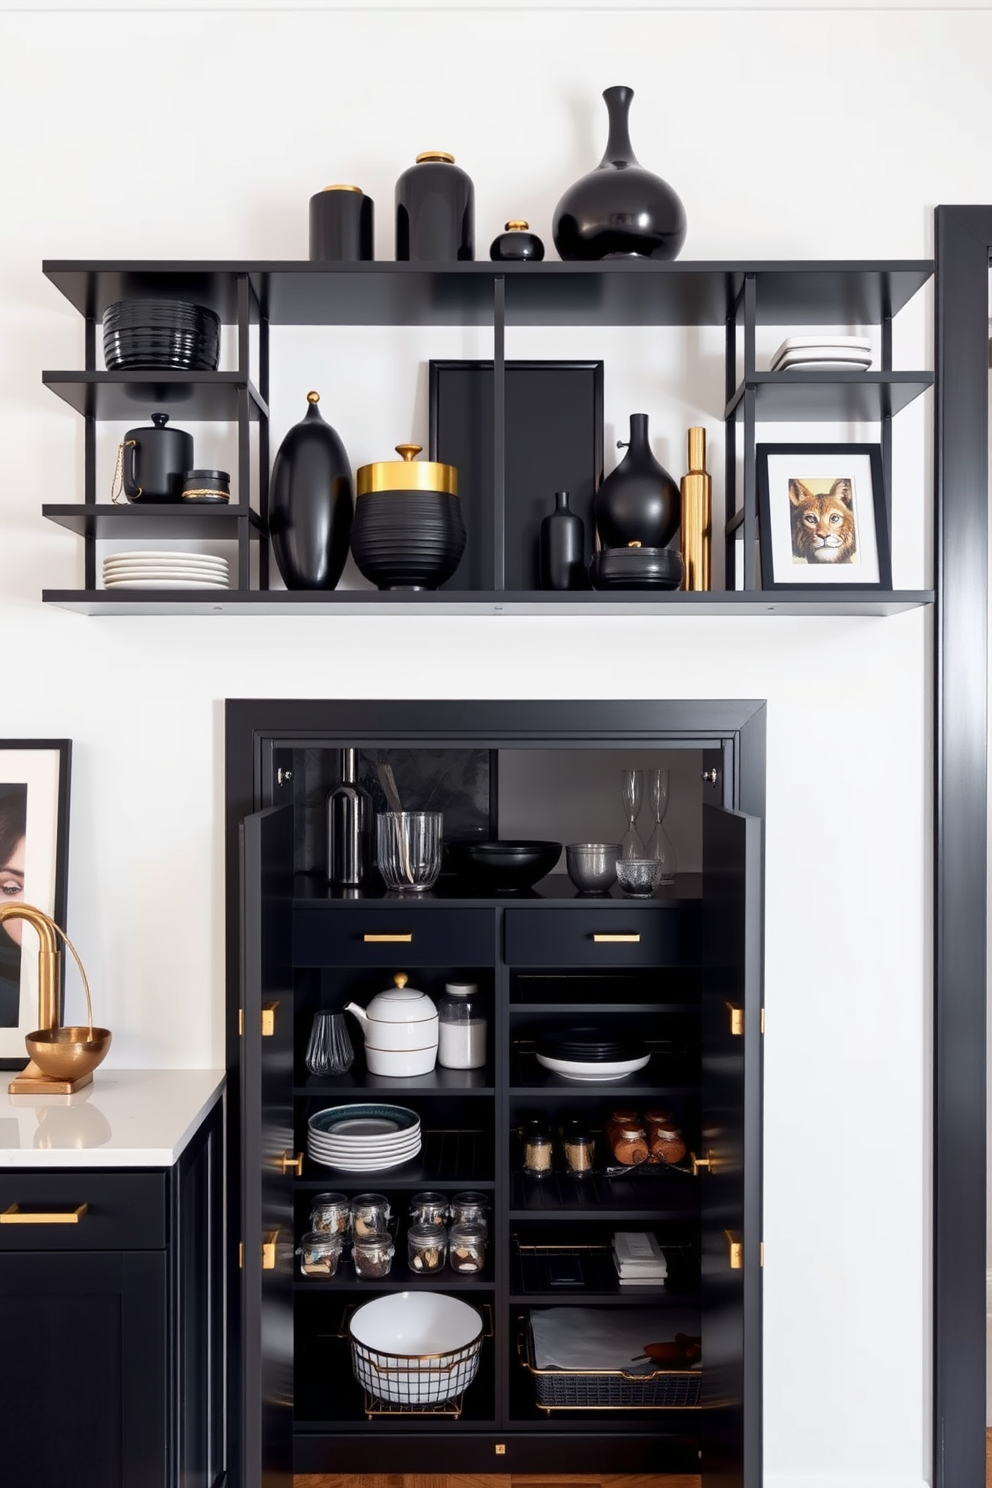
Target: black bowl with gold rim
{"points": [[408, 531]]}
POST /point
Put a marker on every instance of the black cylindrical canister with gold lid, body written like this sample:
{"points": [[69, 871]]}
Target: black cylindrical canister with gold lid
{"points": [[435, 211], [342, 225], [408, 531]]}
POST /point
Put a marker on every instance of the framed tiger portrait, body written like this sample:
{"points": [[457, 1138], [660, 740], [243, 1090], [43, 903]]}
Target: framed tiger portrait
{"points": [[822, 517]]}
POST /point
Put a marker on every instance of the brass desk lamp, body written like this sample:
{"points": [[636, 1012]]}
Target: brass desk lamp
{"points": [[62, 1060]]}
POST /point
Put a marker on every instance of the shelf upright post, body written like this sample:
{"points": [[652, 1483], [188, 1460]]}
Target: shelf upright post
{"points": [[244, 431], [751, 579], [89, 456], [730, 510], [499, 432], [887, 407], [262, 306]]}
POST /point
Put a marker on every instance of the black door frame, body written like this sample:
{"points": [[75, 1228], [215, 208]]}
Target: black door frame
{"points": [[961, 493], [732, 731]]}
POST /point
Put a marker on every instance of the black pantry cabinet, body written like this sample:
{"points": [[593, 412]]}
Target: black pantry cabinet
{"points": [[683, 969]]}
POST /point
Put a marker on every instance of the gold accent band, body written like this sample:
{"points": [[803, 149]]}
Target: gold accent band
{"points": [[13, 1215], [441, 155], [517, 224], [388, 939], [338, 187], [616, 939], [206, 491]]}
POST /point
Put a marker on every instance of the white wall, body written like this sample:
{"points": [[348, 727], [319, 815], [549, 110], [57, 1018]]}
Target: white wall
{"points": [[807, 135]]}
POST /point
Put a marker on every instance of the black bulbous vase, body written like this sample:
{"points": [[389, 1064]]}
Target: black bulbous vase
{"points": [[311, 503], [619, 210], [638, 502]]}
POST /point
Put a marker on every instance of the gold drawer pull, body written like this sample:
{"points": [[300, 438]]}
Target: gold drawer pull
{"points": [[269, 1250], [388, 939], [736, 1019], [735, 1246], [291, 1164], [269, 1018], [698, 1163], [13, 1215], [616, 939]]}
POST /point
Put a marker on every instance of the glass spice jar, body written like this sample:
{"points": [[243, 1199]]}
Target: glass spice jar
{"points": [[331, 1213], [579, 1146], [429, 1208], [426, 1247], [319, 1253], [664, 1137], [373, 1254], [537, 1148], [370, 1215], [467, 1247], [629, 1142], [468, 1207]]}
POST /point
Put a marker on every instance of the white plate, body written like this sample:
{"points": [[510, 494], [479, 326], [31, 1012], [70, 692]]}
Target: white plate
{"points": [[805, 343], [371, 1166], [162, 553], [360, 1154], [114, 575], [574, 1069], [149, 570], [165, 584], [824, 366]]}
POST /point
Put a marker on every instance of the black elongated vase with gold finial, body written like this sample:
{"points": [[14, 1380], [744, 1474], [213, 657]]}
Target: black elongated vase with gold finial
{"points": [[619, 210], [311, 503]]}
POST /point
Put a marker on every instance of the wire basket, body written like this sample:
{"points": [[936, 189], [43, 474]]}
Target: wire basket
{"points": [[608, 1389], [416, 1384]]}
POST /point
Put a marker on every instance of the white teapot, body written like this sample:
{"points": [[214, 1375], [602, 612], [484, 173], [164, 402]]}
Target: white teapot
{"points": [[400, 1028]]}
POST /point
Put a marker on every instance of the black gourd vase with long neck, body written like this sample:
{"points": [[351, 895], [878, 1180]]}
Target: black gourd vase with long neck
{"points": [[311, 503], [619, 210], [638, 502]]}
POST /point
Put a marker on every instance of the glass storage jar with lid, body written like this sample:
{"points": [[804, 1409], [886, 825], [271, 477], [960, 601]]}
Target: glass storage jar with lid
{"points": [[461, 1027], [469, 1207], [467, 1247], [429, 1208], [537, 1148], [372, 1254], [319, 1253], [331, 1212], [370, 1214], [426, 1247]]}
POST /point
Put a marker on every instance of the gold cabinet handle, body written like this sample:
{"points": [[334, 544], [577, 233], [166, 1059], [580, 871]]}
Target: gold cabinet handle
{"points": [[736, 1019], [616, 939], [269, 1250], [388, 939], [701, 1162], [735, 1246], [291, 1164], [269, 1018], [13, 1215]]}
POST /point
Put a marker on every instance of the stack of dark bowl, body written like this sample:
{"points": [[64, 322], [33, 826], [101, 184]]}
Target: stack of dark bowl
{"points": [[169, 334]]}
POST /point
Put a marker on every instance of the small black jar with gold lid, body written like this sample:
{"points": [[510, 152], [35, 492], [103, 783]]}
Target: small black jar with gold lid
{"points": [[341, 225], [517, 244], [435, 211]]}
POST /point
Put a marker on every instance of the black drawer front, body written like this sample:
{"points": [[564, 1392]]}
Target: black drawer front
{"points": [[611, 936], [124, 1211], [417, 936]]}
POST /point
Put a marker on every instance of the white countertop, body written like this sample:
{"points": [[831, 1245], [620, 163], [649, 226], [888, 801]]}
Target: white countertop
{"points": [[124, 1119]]}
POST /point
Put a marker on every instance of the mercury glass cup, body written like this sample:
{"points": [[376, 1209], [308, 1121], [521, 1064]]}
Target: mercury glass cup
{"points": [[592, 866], [631, 792], [409, 849], [638, 876]]}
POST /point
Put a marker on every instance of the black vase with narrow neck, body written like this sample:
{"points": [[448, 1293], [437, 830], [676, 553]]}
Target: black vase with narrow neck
{"points": [[638, 502]]}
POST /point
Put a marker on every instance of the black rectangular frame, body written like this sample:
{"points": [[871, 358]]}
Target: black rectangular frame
{"points": [[879, 505]]}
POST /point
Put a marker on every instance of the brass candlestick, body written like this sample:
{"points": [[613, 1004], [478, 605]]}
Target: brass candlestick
{"points": [[62, 1060], [697, 502]]}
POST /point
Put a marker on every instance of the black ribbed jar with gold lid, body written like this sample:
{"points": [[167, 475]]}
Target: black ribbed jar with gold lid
{"points": [[435, 211], [408, 531]]}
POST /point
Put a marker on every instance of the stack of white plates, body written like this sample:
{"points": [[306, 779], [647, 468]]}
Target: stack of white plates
{"points": [[363, 1138], [823, 354], [164, 570]]}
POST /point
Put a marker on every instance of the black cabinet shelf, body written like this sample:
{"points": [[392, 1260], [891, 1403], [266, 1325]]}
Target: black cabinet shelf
{"points": [[140, 522], [198, 396], [361, 602], [813, 397]]}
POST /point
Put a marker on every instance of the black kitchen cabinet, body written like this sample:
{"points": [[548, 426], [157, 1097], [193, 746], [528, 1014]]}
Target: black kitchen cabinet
{"points": [[111, 1373], [682, 968]]}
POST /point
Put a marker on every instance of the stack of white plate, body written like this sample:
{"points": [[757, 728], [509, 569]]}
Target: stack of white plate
{"points": [[823, 354], [363, 1138], [164, 570]]}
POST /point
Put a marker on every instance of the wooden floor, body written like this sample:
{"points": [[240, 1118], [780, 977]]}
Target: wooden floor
{"points": [[988, 1459], [492, 1480]]}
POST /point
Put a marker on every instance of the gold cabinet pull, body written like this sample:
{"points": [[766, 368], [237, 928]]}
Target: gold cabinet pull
{"points": [[735, 1247], [291, 1164], [388, 939], [701, 1162], [269, 1250], [736, 1018], [269, 1018], [616, 939], [14, 1215]]}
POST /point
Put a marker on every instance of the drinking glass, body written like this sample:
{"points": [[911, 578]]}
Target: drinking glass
{"points": [[631, 792], [659, 844], [409, 849], [329, 1050]]}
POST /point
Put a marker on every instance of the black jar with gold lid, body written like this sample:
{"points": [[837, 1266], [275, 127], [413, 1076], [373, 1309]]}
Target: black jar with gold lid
{"points": [[408, 531], [435, 211], [517, 244], [342, 225]]}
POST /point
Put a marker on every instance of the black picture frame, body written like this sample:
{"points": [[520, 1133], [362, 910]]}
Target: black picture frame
{"points": [[779, 468], [34, 808]]}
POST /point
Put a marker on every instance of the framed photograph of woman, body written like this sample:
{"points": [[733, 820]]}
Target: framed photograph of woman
{"points": [[34, 847], [822, 517]]}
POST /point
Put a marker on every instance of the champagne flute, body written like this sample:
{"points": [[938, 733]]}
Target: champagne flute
{"points": [[659, 845], [632, 793]]}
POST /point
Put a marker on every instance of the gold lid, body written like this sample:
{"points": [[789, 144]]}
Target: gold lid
{"points": [[517, 225], [441, 155], [342, 188], [406, 474]]}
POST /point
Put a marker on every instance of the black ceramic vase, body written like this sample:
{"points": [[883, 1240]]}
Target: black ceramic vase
{"points": [[311, 504], [435, 211], [619, 210], [638, 502], [563, 547]]}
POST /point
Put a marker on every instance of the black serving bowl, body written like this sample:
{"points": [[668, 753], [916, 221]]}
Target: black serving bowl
{"points": [[505, 866], [636, 568]]}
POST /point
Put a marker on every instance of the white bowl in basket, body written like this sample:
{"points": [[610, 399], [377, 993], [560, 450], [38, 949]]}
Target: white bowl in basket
{"points": [[415, 1348]]}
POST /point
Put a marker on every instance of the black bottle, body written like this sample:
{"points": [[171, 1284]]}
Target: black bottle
{"points": [[342, 225], [563, 548], [517, 244], [349, 827], [435, 211]]}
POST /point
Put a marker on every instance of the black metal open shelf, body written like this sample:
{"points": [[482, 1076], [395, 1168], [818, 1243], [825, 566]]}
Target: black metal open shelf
{"points": [[812, 397], [206, 396], [141, 523]]}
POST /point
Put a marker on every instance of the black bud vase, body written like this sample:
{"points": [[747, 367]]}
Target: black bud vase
{"points": [[563, 547], [619, 209], [311, 504], [638, 502]]}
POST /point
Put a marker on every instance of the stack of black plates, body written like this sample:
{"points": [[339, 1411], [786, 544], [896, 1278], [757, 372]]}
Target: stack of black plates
{"points": [[636, 568], [161, 334], [588, 1045]]}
